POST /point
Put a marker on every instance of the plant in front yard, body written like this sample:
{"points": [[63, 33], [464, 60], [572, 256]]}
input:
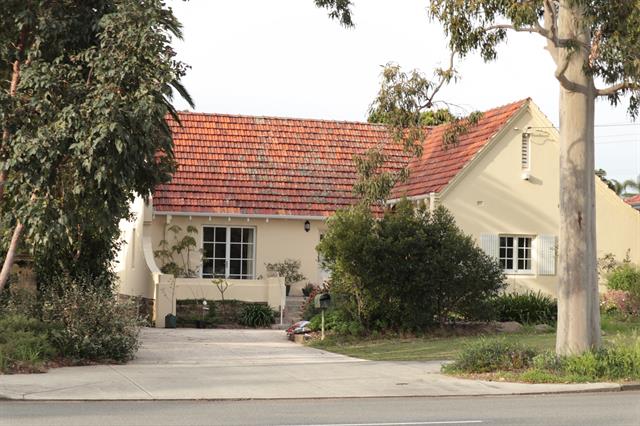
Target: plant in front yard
{"points": [[410, 269], [625, 277], [487, 355], [93, 324], [24, 344], [289, 269], [525, 308], [182, 247], [257, 315]]}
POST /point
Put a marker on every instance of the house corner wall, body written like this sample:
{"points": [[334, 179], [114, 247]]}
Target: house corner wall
{"points": [[132, 268]]}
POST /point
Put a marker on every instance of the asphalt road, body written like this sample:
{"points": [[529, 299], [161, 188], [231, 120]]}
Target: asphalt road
{"points": [[614, 408]]}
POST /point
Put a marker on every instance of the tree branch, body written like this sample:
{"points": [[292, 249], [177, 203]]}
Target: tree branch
{"points": [[613, 89], [444, 78], [564, 81]]}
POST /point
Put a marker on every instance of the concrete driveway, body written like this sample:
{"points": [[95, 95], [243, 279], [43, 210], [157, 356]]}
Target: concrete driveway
{"points": [[249, 364]]}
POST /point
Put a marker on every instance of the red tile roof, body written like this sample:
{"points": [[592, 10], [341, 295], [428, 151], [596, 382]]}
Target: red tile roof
{"points": [[635, 200], [439, 165], [280, 166], [272, 166]]}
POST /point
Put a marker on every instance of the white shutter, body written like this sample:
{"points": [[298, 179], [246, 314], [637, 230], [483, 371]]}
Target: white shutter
{"points": [[546, 255], [490, 244]]}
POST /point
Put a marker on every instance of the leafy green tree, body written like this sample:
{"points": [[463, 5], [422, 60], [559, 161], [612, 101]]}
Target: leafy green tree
{"points": [[85, 89], [589, 41]]}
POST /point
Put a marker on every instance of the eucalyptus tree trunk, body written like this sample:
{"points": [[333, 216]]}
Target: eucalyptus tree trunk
{"points": [[578, 302]]}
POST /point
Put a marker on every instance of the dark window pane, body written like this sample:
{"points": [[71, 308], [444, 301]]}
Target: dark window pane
{"points": [[521, 264], [509, 252], [247, 251], [221, 250], [207, 268], [509, 264], [234, 267], [510, 241], [219, 268], [236, 235], [235, 251], [207, 250], [522, 253], [247, 235], [221, 235], [208, 233], [503, 264], [503, 241], [503, 252], [243, 264]]}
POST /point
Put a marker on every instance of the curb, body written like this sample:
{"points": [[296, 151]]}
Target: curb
{"points": [[618, 388], [630, 386]]}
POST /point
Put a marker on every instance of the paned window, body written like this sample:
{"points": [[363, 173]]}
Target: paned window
{"points": [[228, 252], [515, 253]]}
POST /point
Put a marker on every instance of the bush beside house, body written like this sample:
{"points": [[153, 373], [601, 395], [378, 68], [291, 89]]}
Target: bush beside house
{"points": [[409, 269]]}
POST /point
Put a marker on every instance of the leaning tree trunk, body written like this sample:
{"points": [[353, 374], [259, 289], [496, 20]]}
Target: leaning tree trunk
{"points": [[578, 304]]}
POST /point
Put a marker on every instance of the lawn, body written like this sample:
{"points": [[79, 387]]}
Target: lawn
{"points": [[446, 348]]}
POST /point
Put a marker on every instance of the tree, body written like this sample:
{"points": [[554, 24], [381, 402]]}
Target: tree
{"points": [[631, 186], [85, 89], [588, 40]]}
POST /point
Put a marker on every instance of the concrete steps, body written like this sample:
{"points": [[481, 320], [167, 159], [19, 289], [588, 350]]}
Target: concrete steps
{"points": [[292, 311]]}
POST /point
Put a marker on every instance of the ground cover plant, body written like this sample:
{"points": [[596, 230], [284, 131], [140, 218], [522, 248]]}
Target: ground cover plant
{"points": [[446, 344], [616, 360]]}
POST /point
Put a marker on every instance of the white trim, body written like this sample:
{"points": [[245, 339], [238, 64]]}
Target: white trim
{"points": [[241, 215]]}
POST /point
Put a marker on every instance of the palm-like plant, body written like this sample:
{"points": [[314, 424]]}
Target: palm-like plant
{"points": [[631, 187]]}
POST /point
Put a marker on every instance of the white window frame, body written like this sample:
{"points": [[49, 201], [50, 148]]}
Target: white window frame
{"points": [[227, 259], [514, 258]]}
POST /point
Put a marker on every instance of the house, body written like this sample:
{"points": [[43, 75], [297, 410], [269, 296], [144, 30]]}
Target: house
{"points": [[259, 190], [634, 201]]}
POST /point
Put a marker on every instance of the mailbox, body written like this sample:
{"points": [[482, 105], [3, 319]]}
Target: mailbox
{"points": [[322, 301]]}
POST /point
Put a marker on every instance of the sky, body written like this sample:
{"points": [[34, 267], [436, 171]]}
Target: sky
{"points": [[286, 58]]}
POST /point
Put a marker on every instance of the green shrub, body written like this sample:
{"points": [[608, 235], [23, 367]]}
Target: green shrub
{"points": [[257, 315], [525, 308], [488, 355], [94, 325], [24, 343], [619, 360], [410, 269], [625, 277]]}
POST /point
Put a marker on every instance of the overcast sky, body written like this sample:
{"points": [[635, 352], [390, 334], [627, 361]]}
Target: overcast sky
{"points": [[287, 58]]}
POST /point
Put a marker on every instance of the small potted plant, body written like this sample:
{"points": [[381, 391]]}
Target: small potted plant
{"points": [[289, 269]]}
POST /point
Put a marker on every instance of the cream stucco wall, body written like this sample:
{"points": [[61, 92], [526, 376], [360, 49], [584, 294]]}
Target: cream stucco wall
{"points": [[131, 266], [491, 197], [276, 239]]}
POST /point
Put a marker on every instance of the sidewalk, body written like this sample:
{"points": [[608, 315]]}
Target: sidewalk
{"points": [[252, 364]]}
